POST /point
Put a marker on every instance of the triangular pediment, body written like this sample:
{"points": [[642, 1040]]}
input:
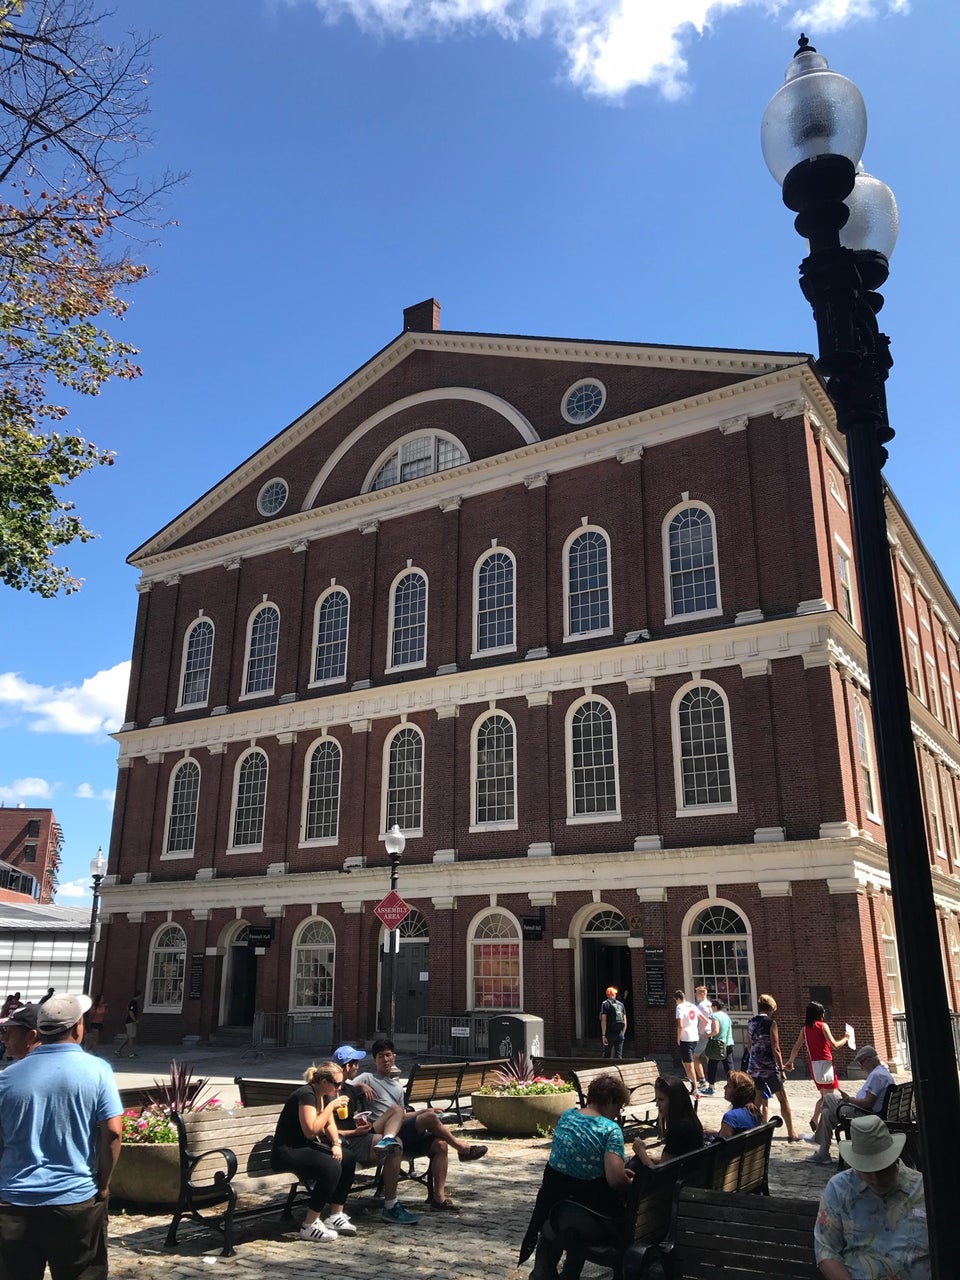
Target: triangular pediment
{"points": [[500, 392]]}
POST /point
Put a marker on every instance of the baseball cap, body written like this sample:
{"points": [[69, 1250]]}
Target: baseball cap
{"points": [[60, 1013], [25, 1016], [347, 1053], [865, 1051]]}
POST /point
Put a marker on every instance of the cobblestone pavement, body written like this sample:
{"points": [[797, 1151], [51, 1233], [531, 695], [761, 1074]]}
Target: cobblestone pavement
{"points": [[480, 1243]]}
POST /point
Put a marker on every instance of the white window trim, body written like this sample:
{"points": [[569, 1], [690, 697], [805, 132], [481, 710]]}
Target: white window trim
{"points": [[669, 617], [272, 515], [435, 433], [703, 810], [608, 815], [573, 636], [686, 938], [504, 824], [407, 666], [311, 1008], [409, 833], [316, 684], [868, 743], [847, 554], [934, 808], [194, 706], [575, 386], [164, 1008], [303, 842], [506, 648], [180, 854], [471, 939], [246, 848], [260, 693], [834, 488]]}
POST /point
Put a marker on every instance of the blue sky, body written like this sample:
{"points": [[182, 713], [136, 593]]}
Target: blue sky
{"points": [[575, 168]]}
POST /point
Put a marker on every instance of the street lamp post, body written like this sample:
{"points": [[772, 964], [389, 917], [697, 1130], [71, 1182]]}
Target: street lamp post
{"points": [[98, 869], [395, 842], [813, 133]]}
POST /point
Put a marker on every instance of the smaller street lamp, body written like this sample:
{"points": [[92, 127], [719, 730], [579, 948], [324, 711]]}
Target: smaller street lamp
{"points": [[98, 869], [395, 842]]}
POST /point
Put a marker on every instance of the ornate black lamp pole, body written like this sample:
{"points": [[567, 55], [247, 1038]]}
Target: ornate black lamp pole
{"points": [[98, 869], [395, 842], [813, 133]]}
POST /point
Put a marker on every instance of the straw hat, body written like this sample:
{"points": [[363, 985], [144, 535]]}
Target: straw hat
{"points": [[871, 1146]]}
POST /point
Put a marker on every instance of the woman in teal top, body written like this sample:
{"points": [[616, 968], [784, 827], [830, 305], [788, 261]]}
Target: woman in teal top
{"points": [[721, 1033], [586, 1165]]}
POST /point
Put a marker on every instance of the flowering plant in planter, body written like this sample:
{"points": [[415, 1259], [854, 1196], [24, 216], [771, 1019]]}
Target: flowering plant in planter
{"points": [[519, 1080], [147, 1126]]}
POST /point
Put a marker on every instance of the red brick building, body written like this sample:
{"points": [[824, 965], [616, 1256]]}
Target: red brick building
{"points": [[581, 618], [30, 844]]}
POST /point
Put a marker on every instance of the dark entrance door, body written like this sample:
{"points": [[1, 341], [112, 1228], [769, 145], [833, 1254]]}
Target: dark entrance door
{"points": [[412, 984], [241, 1000], [605, 964]]}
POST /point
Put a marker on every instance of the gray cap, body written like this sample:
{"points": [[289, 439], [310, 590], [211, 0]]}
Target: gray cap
{"points": [[60, 1013], [25, 1016], [865, 1051]]}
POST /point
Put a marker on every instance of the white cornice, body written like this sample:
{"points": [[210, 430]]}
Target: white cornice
{"points": [[574, 449], [672, 655], [857, 863]]}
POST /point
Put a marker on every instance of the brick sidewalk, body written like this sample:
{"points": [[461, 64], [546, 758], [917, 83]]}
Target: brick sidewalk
{"points": [[480, 1243]]}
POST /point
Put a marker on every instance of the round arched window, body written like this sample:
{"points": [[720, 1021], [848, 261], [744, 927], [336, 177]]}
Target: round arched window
{"points": [[719, 952], [583, 401]]}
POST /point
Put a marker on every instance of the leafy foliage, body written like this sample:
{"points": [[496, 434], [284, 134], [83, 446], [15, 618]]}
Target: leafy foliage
{"points": [[70, 107], [181, 1091], [147, 1127]]}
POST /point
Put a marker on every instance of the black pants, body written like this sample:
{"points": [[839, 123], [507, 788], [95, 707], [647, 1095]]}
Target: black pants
{"points": [[726, 1064], [70, 1238], [331, 1178]]}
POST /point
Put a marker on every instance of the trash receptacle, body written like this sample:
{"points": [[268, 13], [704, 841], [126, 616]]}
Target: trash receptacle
{"points": [[511, 1033]]}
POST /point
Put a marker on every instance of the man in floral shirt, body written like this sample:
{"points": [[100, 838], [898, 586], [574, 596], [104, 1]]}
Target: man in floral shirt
{"points": [[872, 1223]]}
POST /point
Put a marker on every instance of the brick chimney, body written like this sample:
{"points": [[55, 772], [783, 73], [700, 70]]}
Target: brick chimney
{"points": [[422, 317]]}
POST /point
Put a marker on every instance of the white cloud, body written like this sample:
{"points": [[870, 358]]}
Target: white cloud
{"points": [[609, 46], [74, 889], [93, 707], [85, 792], [26, 789]]}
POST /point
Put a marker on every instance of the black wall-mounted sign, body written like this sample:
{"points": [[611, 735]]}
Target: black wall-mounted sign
{"points": [[533, 926], [195, 989], [260, 935], [655, 967]]}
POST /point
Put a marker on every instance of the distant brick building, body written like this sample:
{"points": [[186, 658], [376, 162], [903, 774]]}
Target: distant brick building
{"points": [[30, 843], [581, 618]]}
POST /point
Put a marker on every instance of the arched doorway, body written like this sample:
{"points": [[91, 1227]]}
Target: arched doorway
{"points": [[239, 981], [413, 975], [605, 962]]}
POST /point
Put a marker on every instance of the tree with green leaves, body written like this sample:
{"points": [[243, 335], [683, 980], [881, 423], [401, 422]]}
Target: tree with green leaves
{"points": [[70, 110]]}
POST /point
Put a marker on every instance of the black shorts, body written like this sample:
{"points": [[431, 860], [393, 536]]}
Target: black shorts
{"points": [[687, 1049], [414, 1143], [773, 1083]]}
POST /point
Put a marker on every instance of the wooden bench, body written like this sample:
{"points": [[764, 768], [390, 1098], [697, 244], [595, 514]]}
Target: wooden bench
{"points": [[737, 1164], [898, 1111], [640, 1111], [435, 1084], [224, 1157], [137, 1097], [714, 1234], [256, 1092]]}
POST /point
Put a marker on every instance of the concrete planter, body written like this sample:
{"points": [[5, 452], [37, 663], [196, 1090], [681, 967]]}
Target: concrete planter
{"points": [[147, 1174], [520, 1116]]}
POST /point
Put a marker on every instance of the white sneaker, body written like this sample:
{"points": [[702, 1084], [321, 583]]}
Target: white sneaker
{"points": [[317, 1231], [340, 1224]]}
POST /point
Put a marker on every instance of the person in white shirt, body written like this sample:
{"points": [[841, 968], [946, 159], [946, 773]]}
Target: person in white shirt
{"points": [[689, 1020], [706, 1008], [868, 1099]]}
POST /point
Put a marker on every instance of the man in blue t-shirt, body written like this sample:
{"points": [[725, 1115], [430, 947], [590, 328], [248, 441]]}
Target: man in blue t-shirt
{"points": [[60, 1125]]}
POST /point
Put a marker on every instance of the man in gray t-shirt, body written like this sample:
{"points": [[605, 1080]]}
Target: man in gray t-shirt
{"points": [[422, 1133]]}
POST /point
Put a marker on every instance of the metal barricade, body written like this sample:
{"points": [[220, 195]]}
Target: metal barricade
{"points": [[316, 1031], [462, 1036], [269, 1030]]}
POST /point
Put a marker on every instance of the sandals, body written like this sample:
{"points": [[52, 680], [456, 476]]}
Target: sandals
{"points": [[476, 1152], [447, 1205]]}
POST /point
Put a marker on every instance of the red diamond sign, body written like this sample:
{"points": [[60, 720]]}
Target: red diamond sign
{"points": [[392, 911]]}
